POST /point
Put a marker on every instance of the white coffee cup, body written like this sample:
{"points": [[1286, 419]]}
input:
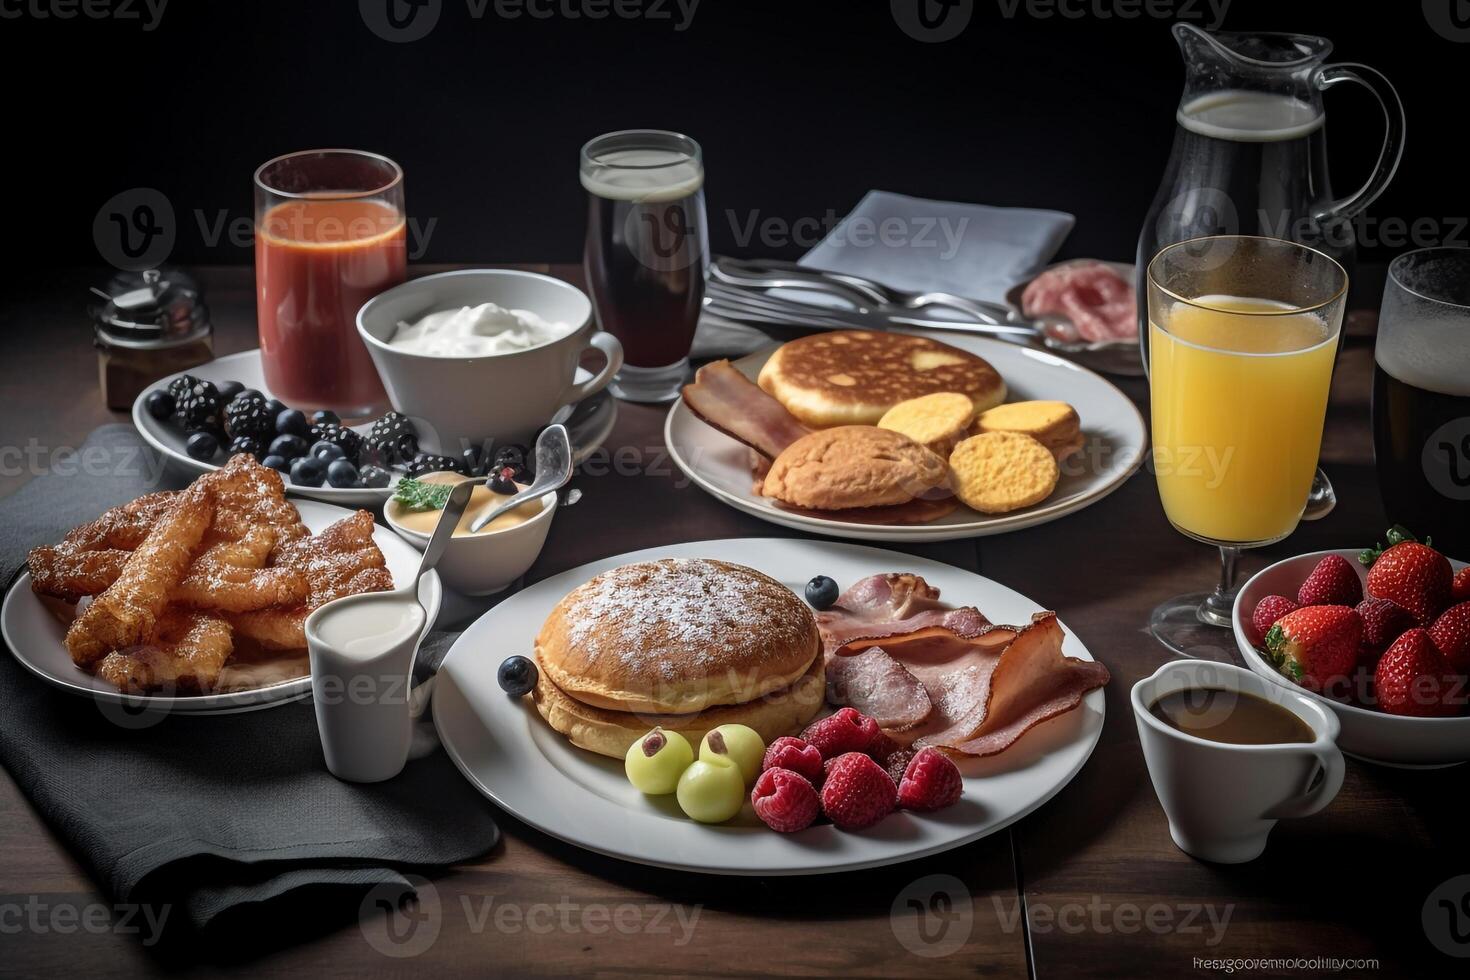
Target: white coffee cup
{"points": [[456, 402], [1222, 799]]}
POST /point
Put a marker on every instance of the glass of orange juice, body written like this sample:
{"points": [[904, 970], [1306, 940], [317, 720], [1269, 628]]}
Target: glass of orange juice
{"points": [[1242, 337]]}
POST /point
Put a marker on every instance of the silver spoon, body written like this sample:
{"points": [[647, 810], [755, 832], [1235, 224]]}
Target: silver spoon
{"points": [[459, 499], [553, 470]]}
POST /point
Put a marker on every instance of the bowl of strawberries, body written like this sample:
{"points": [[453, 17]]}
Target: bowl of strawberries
{"points": [[1380, 635]]}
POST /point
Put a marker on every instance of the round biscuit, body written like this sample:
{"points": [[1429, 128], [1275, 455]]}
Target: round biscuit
{"points": [[936, 421], [997, 472]]}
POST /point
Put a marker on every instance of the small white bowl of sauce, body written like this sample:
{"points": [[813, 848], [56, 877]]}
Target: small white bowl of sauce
{"points": [[486, 561]]}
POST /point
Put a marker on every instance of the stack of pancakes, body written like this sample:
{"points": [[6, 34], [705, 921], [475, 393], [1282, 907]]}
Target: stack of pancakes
{"points": [[684, 644]]}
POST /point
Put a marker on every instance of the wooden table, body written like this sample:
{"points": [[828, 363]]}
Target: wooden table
{"points": [[1090, 885]]}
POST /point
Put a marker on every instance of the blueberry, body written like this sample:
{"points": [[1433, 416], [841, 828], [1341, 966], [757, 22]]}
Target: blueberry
{"points": [[279, 463], [504, 481], [274, 407], [821, 592], [308, 472], [229, 389], [292, 422], [160, 404], [324, 417], [517, 676], [375, 477], [287, 447], [326, 451], [342, 474], [202, 446]]}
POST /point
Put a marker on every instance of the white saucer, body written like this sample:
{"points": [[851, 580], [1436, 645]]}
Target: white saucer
{"points": [[589, 423], [36, 637], [502, 745]]}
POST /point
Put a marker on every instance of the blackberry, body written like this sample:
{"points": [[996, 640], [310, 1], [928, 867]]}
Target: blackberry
{"points": [[431, 463], [375, 477], [247, 416], [180, 386], [345, 439], [201, 407], [246, 444], [392, 440]]}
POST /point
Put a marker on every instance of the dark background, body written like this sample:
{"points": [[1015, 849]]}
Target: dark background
{"points": [[800, 107]]}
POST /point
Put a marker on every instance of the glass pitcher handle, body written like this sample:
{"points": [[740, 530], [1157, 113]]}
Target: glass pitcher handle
{"points": [[1393, 137]]}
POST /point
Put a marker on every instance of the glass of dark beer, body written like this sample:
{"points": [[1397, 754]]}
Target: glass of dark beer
{"points": [[646, 253], [1421, 396]]}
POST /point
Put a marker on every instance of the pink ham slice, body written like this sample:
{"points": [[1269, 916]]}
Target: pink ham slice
{"points": [[1098, 301], [986, 685], [881, 607], [880, 687], [732, 403]]}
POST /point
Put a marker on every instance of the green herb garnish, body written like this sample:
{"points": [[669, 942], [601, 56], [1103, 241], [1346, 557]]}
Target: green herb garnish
{"points": [[414, 494]]}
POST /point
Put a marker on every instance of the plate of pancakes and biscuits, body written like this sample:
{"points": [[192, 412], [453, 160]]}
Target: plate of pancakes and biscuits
{"points": [[912, 708], [194, 601], [890, 436]]}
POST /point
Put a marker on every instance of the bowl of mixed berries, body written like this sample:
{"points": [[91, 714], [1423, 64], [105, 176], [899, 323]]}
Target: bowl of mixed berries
{"points": [[203, 422], [1381, 635]]}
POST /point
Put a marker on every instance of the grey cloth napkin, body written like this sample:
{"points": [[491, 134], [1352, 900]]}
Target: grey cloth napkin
{"points": [[916, 244], [223, 824]]}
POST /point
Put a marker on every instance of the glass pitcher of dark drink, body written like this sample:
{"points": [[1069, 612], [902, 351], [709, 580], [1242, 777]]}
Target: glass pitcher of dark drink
{"points": [[646, 253], [1250, 148]]}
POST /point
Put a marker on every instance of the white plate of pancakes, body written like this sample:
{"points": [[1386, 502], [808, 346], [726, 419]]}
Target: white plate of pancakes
{"points": [[506, 749], [36, 635], [1113, 437]]}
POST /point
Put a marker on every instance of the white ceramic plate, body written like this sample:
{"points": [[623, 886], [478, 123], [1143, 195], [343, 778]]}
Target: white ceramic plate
{"points": [[502, 745], [1113, 429], [589, 423], [1391, 740], [36, 636]]}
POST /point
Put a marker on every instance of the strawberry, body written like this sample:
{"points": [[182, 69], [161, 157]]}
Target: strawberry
{"points": [[1413, 679], [1460, 587], [1266, 613], [1410, 573], [1383, 622], [1334, 582], [1316, 644], [1451, 636]]}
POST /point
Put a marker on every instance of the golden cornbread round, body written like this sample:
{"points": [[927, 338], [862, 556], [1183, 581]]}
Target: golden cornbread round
{"points": [[677, 635], [1050, 423], [937, 421], [996, 472], [783, 712], [852, 377], [853, 466]]}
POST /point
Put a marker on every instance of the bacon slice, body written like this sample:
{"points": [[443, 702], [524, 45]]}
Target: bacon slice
{"points": [[878, 686], [1098, 301], [881, 607], [732, 403]]}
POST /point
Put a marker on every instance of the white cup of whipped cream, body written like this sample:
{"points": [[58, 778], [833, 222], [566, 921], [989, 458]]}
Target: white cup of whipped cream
{"points": [[483, 355]]}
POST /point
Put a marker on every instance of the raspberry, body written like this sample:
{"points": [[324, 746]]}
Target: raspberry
{"points": [[794, 754], [931, 782], [847, 731], [785, 800], [897, 763], [1268, 610], [857, 793]]}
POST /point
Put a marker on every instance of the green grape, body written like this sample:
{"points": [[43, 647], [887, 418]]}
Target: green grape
{"points": [[740, 743], [711, 790], [655, 762]]}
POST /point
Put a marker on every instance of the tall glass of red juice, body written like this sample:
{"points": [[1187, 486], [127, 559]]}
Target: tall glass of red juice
{"points": [[329, 236]]}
